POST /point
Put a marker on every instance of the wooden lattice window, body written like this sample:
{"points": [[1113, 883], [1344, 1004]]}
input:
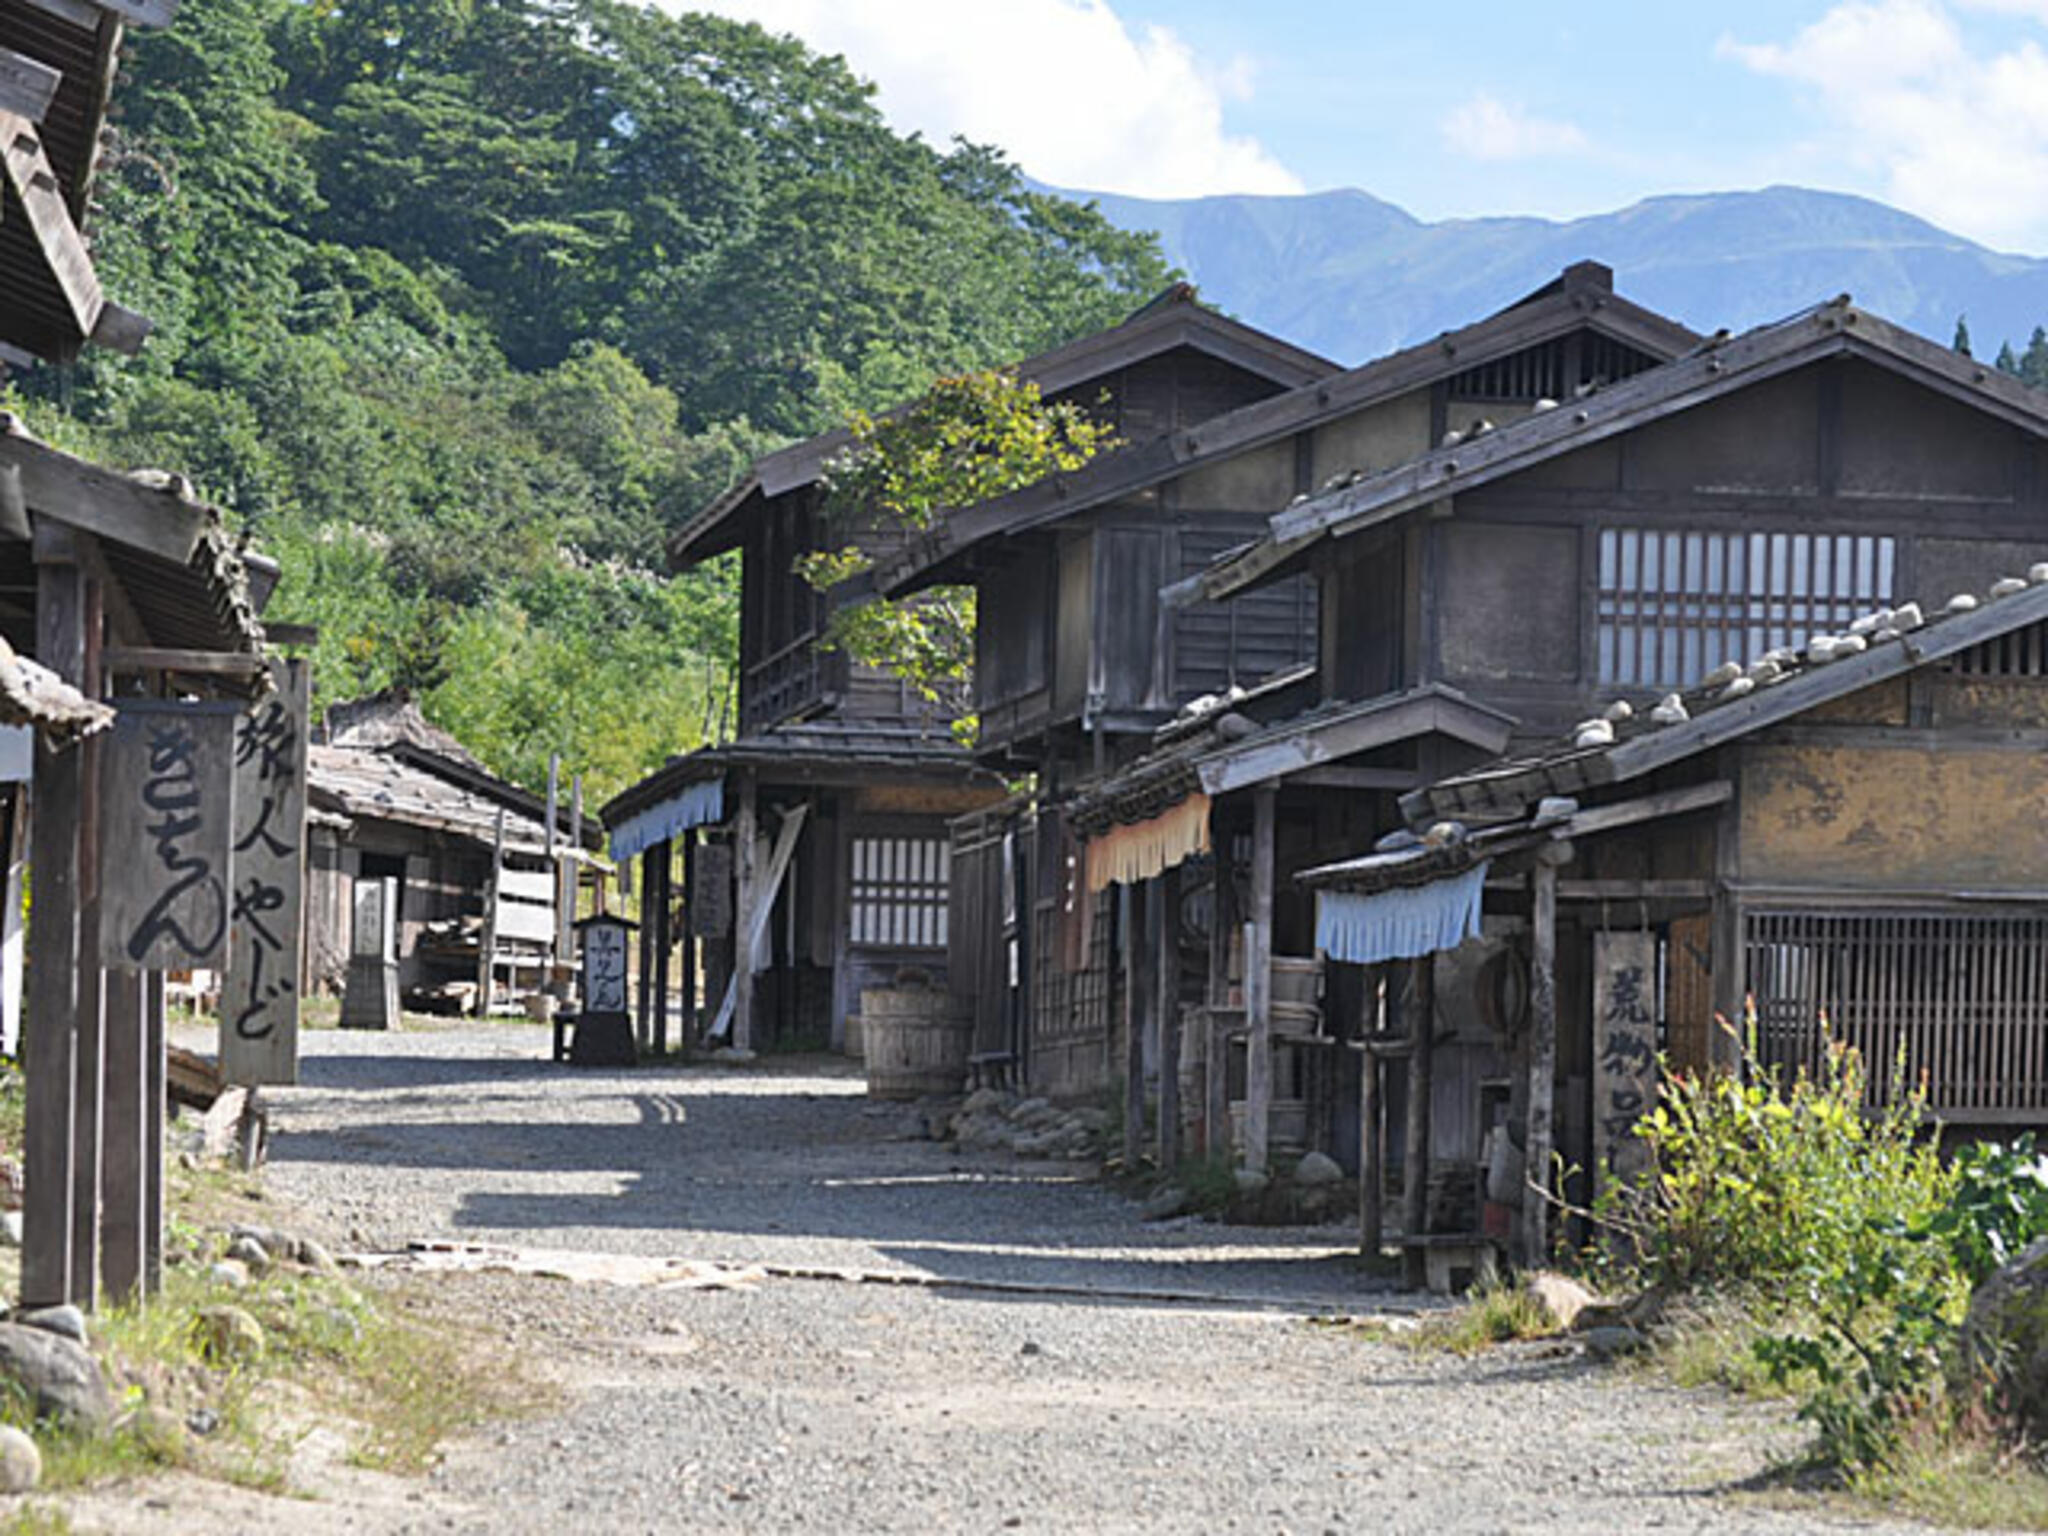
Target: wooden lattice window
{"points": [[900, 891], [1963, 997], [2022, 653], [1675, 604]]}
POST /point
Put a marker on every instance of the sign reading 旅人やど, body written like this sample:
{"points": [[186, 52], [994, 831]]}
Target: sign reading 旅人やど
{"points": [[1624, 1048], [166, 835], [260, 996]]}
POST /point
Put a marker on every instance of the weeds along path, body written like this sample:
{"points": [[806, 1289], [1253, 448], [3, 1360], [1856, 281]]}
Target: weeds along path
{"points": [[789, 1404]]}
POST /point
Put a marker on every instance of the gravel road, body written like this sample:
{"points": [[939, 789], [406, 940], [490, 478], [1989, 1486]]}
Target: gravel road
{"points": [[826, 1405]]}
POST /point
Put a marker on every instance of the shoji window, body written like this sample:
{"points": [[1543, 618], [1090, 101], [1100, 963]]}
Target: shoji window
{"points": [[899, 891], [1674, 605]]}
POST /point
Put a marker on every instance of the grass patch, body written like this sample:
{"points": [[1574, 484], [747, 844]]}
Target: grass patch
{"points": [[36, 1520], [1710, 1341], [1500, 1313], [1967, 1481]]}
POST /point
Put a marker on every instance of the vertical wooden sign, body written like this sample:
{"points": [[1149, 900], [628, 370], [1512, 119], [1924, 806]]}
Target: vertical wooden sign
{"points": [[1624, 1049], [604, 967], [259, 1006], [167, 787]]}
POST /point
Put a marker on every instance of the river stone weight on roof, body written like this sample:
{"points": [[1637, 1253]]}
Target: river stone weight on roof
{"points": [[1871, 622], [1593, 733], [1671, 711], [1907, 616], [1963, 602], [1722, 675], [1618, 711], [1766, 669], [1851, 645], [2008, 586], [1737, 687], [2037, 574]]}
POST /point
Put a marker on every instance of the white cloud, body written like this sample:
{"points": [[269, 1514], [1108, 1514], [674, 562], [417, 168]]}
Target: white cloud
{"points": [[1063, 86], [1952, 130], [1487, 128]]}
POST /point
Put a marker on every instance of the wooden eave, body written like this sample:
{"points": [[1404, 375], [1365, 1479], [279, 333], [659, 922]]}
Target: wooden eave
{"points": [[1177, 319], [1834, 329], [933, 558], [486, 785], [1509, 785]]}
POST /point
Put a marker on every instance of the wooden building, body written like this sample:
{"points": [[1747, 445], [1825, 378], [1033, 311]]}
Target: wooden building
{"points": [[1707, 518], [394, 797], [1085, 664], [816, 843]]}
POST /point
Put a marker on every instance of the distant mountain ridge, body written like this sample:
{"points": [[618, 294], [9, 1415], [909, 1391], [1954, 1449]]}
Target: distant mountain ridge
{"points": [[1353, 276]]}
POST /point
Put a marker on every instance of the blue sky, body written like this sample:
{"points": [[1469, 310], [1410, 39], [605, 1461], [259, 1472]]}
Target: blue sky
{"points": [[1937, 106]]}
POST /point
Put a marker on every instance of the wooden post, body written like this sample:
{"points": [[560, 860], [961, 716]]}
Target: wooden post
{"points": [[747, 879], [1216, 1061], [1371, 1177], [88, 1094], [687, 1031], [1415, 1175], [156, 1071], [644, 1004], [1166, 924], [124, 1213], [51, 1043], [1133, 932], [1542, 1053], [13, 931], [1258, 985], [664, 864], [487, 964]]}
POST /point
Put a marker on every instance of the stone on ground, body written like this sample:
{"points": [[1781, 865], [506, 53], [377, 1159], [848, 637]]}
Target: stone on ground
{"points": [[1562, 1298], [1170, 1201], [1316, 1170], [58, 1374], [21, 1464], [66, 1320], [2004, 1340], [228, 1335]]}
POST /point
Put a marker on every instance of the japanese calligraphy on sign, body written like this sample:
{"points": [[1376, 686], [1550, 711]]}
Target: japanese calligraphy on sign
{"points": [[259, 1010], [1624, 1048], [604, 967], [166, 833]]}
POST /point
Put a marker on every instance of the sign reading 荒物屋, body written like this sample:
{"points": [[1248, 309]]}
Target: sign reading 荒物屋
{"points": [[166, 835], [259, 1026]]}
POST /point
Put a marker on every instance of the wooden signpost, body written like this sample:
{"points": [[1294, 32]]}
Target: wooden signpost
{"points": [[1624, 1049], [604, 1027], [166, 838], [259, 1011]]}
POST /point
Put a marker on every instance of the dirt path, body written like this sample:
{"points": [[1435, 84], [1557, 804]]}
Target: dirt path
{"points": [[804, 1404]]}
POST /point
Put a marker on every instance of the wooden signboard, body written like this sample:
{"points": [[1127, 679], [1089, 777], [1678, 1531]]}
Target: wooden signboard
{"points": [[1624, 1049], [167, 792], [711, 891], [259, 1010], [604, 968]]}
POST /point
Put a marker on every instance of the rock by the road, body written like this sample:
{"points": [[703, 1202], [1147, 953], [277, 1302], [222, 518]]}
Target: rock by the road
{"points": [[1316, 1170], [66, 1320], [59, 1375], [21, 1463]]}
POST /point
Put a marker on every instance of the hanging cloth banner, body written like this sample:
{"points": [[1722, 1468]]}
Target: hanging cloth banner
{"points": [[700, 805], [1401, 924], [1127, 855]]}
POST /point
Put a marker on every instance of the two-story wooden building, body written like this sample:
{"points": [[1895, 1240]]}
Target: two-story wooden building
{"points": [[1781, 584], [825, 822], [1081, 660]]}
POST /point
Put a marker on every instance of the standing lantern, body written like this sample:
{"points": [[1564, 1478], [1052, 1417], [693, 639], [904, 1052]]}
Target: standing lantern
{"points": [[603, 1026], [370, 998]]}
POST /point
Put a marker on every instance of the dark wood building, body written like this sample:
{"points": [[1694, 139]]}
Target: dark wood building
{"points": [[1787, 515], [825, 822], [1085, 664]]}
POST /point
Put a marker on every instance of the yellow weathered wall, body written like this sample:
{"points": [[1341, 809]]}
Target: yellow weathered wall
{"points": [[1916, 816]]}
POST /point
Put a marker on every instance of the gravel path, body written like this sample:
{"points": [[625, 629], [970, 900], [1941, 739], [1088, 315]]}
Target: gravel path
{"points": [[854, 1408]]}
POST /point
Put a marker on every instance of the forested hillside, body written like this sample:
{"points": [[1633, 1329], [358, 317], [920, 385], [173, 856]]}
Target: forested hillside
{"points": [[461, 303]]}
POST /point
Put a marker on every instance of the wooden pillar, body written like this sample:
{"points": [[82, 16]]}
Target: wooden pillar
{"points": [[51, 1037], [664, 863], [124, 1214], [1415, 1175], [687, 1031], [747, 878], [155, 1088], [1371, 1175], [1216, 1047], [1258, 985], [13, 932], [1133, 930], [1542, 1053], [487, 959], [1166, 923], [644, 1002]]}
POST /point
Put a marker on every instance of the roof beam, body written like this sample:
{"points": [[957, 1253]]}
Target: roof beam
{"points": [[28, 171], [89, 13], [114, 506], [27, 86]]}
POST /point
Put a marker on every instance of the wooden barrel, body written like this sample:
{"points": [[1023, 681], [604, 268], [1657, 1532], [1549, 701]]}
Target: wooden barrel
{"points": [[916, 1040]]}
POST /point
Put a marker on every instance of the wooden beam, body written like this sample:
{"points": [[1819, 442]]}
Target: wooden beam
{"points": [[27, 86], [1216, 1044], [79, 13], [1635, 890], [747, 879], [1542, 1063], [156, 1067], [1670, 802], [103, 502], [1371, 1174], [1132, 930], [663, 881], [1396, 779], [120, 329], [124, 1218], [35, 183], [1421, 1022], [150, 14], [145, 659], [1258, 986]]}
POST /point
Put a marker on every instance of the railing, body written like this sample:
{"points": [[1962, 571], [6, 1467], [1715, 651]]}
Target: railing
{"points": [[789, 682]]}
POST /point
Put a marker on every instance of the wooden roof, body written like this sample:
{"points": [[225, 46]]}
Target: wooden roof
{"points": [[1582, 297], [31, 694], [1176, 318], [58, 60], [1720, 367], [363, 784]]}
